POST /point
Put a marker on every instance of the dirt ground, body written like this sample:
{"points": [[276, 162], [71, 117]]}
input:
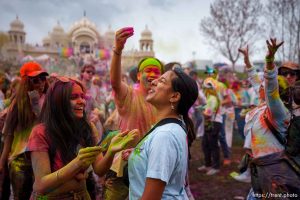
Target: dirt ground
{"points": [[220, 186]]}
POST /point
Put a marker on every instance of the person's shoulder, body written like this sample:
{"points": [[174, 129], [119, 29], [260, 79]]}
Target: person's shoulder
{"points": [[170, 130]]}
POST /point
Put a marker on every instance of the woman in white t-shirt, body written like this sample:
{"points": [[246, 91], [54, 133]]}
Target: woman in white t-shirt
{"points": [[158, 165]]}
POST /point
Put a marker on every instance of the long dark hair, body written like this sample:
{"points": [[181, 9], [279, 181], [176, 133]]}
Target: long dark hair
{"points": [[188, 89], [65, 132], [21, 116]]}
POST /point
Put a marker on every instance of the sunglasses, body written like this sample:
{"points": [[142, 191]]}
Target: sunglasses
{"points": [[288, 72], [90, 72], [38, 79]]}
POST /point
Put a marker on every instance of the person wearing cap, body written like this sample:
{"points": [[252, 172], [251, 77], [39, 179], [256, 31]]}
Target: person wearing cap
{"points": [[134, 112], [212, 126], [268, 162], [21, 117], [210, 72], [223, 96], [290, 71]]}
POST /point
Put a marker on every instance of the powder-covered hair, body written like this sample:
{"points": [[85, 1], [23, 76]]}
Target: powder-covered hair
{"points": [[66, 132]]}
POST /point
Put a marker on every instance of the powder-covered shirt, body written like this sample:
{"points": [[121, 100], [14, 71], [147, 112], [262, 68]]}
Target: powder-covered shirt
{"points": [[134, 113], [213, 109], [263, 142], [21, 137], [38, 142], [163, 155]]}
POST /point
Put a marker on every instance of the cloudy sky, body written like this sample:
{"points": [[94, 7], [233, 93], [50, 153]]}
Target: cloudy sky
{"points": [[174, 23]]}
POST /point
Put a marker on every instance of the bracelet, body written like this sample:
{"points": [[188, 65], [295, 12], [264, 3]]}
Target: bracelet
{"points": [[269, 60], [116, 52], [57, 174]]}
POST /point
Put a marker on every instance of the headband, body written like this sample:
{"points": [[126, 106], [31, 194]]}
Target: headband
{"points": [[150, 61]]}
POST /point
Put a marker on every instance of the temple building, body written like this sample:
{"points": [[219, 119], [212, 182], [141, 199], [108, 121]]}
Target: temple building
{"points": [[82, 39]]}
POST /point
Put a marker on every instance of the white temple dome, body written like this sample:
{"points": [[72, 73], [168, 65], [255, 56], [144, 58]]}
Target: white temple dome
{"points": [[146, 34], [17, 25], [58, 30]]}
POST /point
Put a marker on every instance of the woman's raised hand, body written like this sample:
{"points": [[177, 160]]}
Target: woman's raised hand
{"points": [[121, 36], [272, 47], [124, 140], [245, 52]]}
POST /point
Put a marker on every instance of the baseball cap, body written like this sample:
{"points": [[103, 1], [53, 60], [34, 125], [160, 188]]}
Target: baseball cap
{"points": [[32, 69], [290, 65]]}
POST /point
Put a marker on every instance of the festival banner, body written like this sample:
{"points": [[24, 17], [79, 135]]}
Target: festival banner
{"points": [[103, 54], [65, 52]]}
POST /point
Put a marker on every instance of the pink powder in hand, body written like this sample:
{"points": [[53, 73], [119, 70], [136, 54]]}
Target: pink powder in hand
{"points": [[129, 29]]}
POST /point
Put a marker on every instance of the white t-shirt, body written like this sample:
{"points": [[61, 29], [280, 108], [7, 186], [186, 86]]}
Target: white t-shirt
{"points": [[163, 154]]}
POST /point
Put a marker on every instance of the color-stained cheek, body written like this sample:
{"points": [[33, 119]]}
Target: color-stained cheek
{"points": [[156, 73], [145, 80]]}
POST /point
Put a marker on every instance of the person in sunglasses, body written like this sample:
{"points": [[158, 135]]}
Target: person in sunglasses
{"points": [[291, 71], [21, 117], [93, 108], [63, 145], [270, 173], [134, 112], [86, 76]]}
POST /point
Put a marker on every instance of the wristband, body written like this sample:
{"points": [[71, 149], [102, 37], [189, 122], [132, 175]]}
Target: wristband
{"points": [[116, 52], [269, 60]]}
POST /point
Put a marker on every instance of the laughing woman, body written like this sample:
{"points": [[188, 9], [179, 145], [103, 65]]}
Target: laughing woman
{"points": [[63, 147], [158, 165]]}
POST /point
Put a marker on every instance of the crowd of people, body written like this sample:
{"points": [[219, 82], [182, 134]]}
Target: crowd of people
{"points": [[80, 138]]}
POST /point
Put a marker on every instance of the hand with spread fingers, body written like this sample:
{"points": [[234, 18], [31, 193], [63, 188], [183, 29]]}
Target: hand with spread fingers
{"points": [[87, 156], [124, 140], [120, 38], [245, 52], [272, 47]]}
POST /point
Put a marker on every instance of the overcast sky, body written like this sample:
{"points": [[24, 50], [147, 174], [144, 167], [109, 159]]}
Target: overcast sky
{"points": [[174, 23]]}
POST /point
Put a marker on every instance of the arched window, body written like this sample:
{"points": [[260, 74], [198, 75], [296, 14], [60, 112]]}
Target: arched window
{"points": [[85, 47]]}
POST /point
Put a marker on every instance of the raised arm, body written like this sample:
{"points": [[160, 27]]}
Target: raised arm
{"points": [[272, 49], [280, 114], [252, 74], [119, 87], [245, 53]]}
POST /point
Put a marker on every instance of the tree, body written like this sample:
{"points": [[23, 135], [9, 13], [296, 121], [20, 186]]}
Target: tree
{"points": [[283, 17], [232, 24]]}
